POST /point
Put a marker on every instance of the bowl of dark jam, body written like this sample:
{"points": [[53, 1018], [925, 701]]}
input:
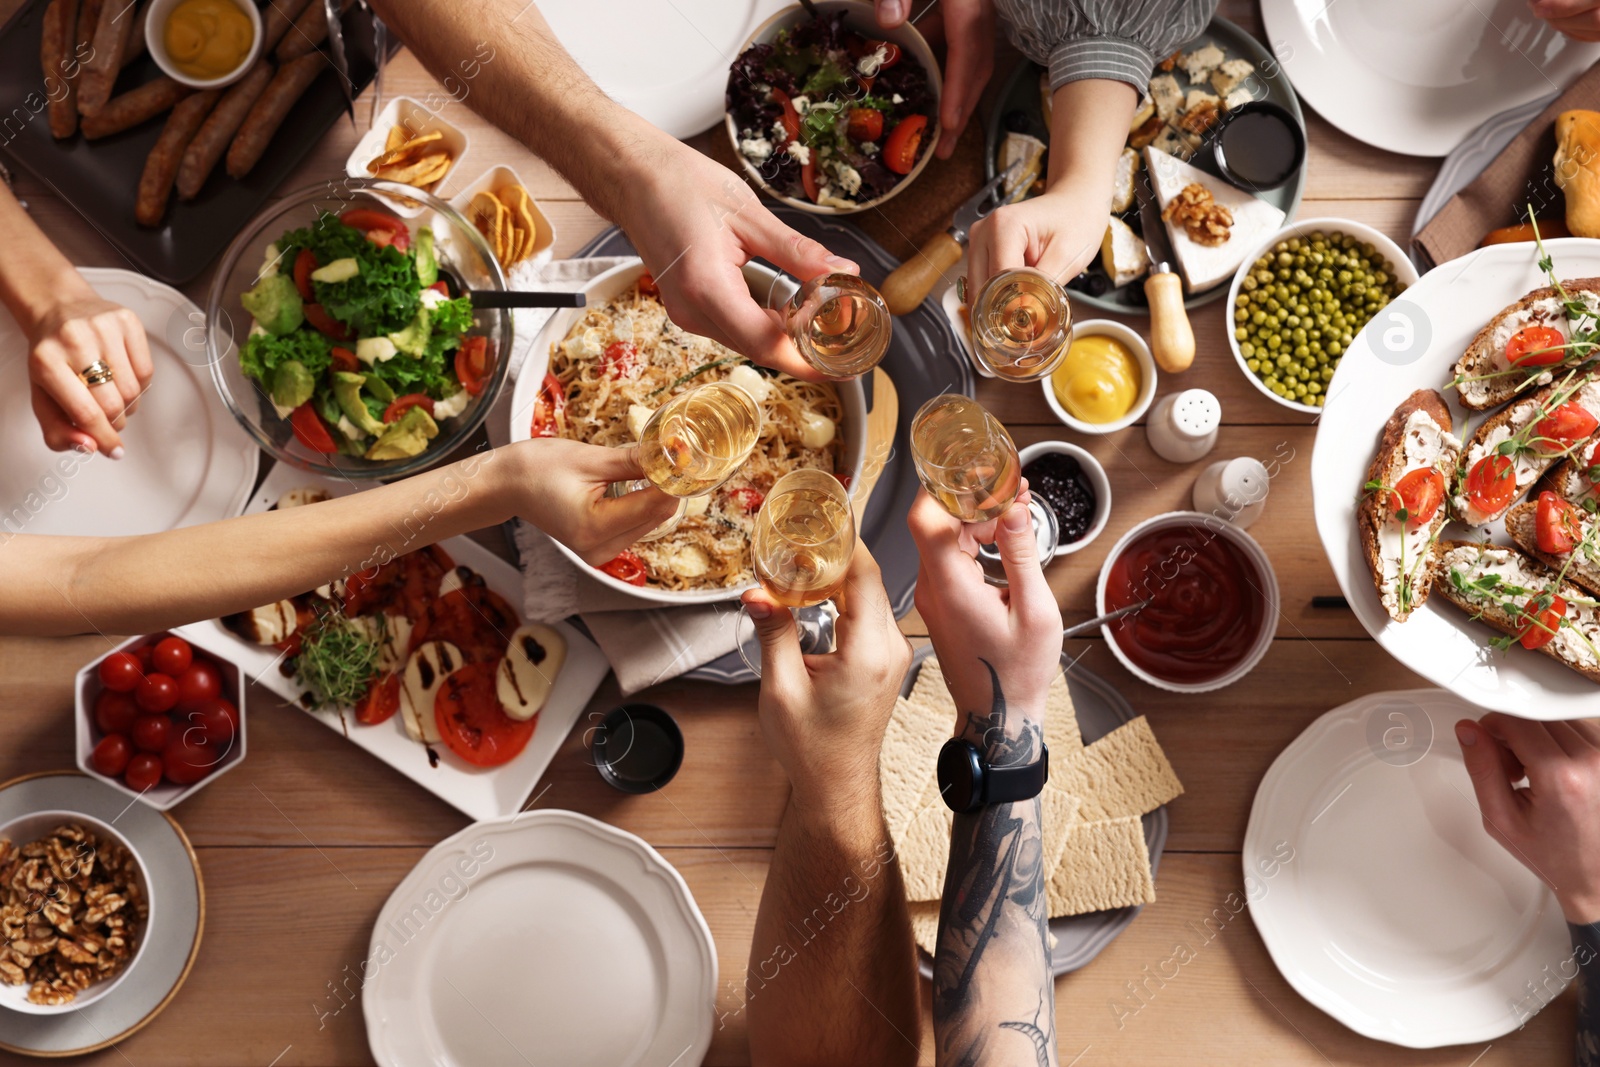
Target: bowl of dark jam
{"points": [[1074, 484]]}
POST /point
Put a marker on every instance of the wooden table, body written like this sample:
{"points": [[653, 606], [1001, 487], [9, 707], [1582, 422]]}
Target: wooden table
{"points": [[301, 846]]}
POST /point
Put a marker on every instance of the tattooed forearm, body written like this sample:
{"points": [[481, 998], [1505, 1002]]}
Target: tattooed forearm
{"points": [[993, 994], [1586, 943]]}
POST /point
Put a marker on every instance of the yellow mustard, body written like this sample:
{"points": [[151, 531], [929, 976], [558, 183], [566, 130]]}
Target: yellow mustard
{"points": [[1099, 381], [208, 38]]}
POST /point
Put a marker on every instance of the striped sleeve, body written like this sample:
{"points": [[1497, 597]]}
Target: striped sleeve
{"points": [[1121, 40]]}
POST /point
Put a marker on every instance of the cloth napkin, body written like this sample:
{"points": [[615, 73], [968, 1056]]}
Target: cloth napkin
{"points": [[1519, 176], [644, 645]]}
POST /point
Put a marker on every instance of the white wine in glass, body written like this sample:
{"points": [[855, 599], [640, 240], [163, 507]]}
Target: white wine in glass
{"points": [[1021, 325], [840, 324], [698, 439], [965, 458], [803, 537]]}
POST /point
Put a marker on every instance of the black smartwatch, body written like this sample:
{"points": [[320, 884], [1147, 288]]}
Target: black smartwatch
{"points": [[967, 783]]}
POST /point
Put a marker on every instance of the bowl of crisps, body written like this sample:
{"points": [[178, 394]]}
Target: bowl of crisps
{"points": [[410, 145], [499, 205]]}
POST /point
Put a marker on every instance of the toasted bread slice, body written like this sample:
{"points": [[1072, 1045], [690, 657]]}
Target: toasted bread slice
{"points": [[1529, 464], [1521, 524], [1486, 355], [1417, 435], [1578, 476], [1462, 562]]}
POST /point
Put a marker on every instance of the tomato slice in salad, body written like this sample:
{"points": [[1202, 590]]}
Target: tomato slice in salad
{"points": [[626, 567], [310, 430], [1491, 484], [900, 150], [441, 287], [619, 358], [1563, 428], [791, 117], [325, 323], [467, 710], [1557, 526], [1535, 346], [344, 359], [472, 363], [866, 124], [474, 618], [402, 404], [304, 263], [1542, 623], [381, 702], [380, 227], [549, 408]]}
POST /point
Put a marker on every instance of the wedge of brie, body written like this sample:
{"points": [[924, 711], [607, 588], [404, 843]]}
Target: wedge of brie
{"points": [[1123, 254], [1204, 266]]}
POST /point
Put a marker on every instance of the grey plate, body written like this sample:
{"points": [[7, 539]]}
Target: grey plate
{"points": [[1022, 93], [1101, 709], [925, 359], [173, 935]]}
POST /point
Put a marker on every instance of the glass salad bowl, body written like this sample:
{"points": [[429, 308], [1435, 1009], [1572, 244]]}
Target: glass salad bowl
{"points": [[465, 261]]}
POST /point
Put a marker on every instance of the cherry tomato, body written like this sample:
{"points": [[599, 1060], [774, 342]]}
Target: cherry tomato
{"points": [[472, 363], [215, 722], [866, 124], [402, 404], [1557, 525], [627, 567], [381, 227], [172, 656], [114, 712], [156, 693], [121, 672], [620, 357], [900, 150], [145, 663], [344, 359], [1491, 484], [151, 733], [549, 408], [325, 323], [471, 721], [310, 430], [201, 682], [1535, 346], [749, 499], [304, 263], [1563, 428], [110, 757], [891, 53], [647, 284], [144, 772], [1419, 495], [381, 702], [187, 760], [1541, 624]]}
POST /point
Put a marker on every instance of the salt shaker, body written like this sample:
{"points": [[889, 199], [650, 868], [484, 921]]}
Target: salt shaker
{"points": [[1183, 427], [1233, 489]]}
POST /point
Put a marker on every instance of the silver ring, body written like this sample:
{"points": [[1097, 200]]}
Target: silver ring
{"points": [[96, 373]]}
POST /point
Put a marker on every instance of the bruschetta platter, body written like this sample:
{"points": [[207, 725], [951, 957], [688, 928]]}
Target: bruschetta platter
{"points": [[1456, 478], [424, 661]]}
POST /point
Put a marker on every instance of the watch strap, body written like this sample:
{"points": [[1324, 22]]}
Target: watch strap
{"points": [[1007, 785]]}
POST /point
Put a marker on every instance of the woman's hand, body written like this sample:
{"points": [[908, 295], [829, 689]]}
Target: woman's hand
{"points": [[968, 30], [1057, 232], [1578, 19], [66, 338], [560, 487]]}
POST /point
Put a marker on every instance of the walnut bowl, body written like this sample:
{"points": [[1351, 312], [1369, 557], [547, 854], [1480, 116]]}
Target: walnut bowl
{"points": [[39, 825]]}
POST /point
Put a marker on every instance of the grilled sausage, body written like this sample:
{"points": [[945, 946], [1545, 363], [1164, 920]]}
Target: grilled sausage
{"points": [[60, 33], [161, 166], [111, 35], [134, 106], [269, 111], [201, 157], [308, 32], [276, 20]]}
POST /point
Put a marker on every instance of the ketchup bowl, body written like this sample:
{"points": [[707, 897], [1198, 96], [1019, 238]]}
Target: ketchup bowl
{"points": [[1215, 606]]}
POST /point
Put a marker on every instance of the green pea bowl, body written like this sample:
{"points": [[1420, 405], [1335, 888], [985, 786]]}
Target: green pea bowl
{"points": [[1377, 271]]}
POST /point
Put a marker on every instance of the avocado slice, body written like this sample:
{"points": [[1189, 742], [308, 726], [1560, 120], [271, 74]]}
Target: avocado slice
{"points": [[292, 384], [427, 259], [407, 436], [275, 304], [340, 270], [347, 390], [413, 340], [378, 389]]}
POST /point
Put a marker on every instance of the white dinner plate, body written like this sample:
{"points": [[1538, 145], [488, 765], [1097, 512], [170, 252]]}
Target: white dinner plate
{"points": [[1407, 346], [175, 924], [480, 792], [1379, 894], [667, 62], [546, 937], [187, 460], [1417, 76]]}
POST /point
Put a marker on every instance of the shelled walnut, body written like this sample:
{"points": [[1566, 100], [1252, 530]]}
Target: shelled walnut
{"points": [[1204, 220]]}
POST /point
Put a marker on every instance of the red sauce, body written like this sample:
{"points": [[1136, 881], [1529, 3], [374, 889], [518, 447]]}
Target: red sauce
{"points": [[1208, 608]]}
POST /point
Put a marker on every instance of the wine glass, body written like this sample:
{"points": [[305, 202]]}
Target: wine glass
{"points": [[699, 439], [840, 324], [965, 458], [671, 523], [1021, 325], [800, 549]]}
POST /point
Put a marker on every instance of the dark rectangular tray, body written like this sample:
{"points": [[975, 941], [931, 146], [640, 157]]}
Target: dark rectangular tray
{"points": [[100, 179]]}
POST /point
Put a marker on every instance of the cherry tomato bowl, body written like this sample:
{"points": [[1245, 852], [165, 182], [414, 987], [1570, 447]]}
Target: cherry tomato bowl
{"points": [[40, 824], [464, 258], [858, 18], [171, 735]]}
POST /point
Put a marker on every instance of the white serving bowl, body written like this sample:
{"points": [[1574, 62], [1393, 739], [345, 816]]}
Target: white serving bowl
{"points": [[1403, 271], [499, 177], [419, 119], [1147, 377], [1251, 549], [155, 39], [858, 17], [1098, 481], [765, 286], [26, 828]]}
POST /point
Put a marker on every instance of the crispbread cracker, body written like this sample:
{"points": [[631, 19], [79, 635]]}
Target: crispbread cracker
{"points": [[925, 924], [1061, 734], [1105, 865], [1123, 773], [1058, 813], [906, 761]]}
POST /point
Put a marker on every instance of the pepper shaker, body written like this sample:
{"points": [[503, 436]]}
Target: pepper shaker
{"points": [[1183, 427], [1233, 489]]}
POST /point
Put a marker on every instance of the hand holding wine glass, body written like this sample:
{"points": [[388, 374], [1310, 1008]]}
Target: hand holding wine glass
{"points": [[965, 458], [840, 324], [699, 438]]}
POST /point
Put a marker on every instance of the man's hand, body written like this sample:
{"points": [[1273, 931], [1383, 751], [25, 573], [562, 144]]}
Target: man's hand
{"points": [[823, 717], [560, 487], [67, 337], [968, 60], [1016, 631], [1553, 825], [1578, 19]]}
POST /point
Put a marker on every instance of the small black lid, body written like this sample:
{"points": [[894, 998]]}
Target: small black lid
{"points": [[637, 748]]}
